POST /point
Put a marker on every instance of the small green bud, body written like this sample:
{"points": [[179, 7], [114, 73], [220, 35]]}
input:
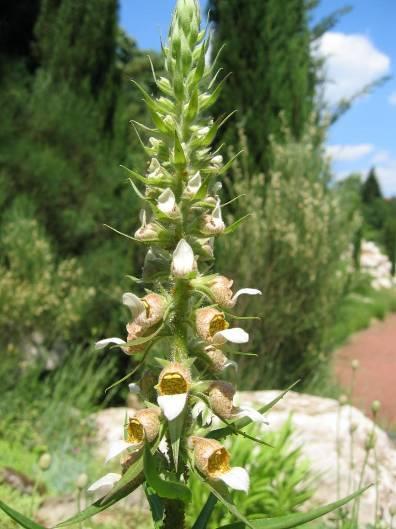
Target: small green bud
{"points": [[343, 399], [370, 441], [45, 461], [375, 406]]}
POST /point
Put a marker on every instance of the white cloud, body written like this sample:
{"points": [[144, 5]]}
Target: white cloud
{"points": [[348, 153], [392, 98], [352, 61]]}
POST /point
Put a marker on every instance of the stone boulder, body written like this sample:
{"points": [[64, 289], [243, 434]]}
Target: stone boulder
{"points": [[315, 426]]}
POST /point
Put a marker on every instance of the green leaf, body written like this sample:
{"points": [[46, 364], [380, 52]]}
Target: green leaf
{"points": [[180, 157], [19, 518], [203, 518], [220, 433], [156, 506], [192, 108], [165, 488], [232, 227], [211, 100], [220, 490], [293, 520]]}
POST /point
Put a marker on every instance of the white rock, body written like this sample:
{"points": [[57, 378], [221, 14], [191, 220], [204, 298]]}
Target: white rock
{"points": [[315, 424]]}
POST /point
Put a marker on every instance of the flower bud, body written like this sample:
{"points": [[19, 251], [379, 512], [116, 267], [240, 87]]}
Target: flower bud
{"points": [[221, 395], [213, 224], [167, 203], [183, 261], [355, 364], [149, 418], [217, 161], [193, 185], [82, 481], [375, 406], [218, 360], [45, 461], [148, 230], [154, 169]]}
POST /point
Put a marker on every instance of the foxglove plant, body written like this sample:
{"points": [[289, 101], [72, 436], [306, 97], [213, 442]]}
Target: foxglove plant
{"points": [[185, 311]]}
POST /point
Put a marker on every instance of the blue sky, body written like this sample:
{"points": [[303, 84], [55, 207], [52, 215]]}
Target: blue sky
{"points": [[359, 49]]}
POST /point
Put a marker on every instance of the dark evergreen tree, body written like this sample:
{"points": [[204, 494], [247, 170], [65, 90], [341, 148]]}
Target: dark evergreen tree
{"points": [[268, 52], [77, 41], [371, 190]]}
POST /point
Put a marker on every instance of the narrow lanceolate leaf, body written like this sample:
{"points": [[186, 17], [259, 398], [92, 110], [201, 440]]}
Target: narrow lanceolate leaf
{"points": [[221, 433], [206, 512], [232, 227], [211, 100], [294, 520], [20, 518], [180, 157], [165, 488], [220, 491], [175, 433]]}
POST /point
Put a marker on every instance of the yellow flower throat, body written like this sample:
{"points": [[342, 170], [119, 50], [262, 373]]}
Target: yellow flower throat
{"points": [[135, 432], [173, 384], [217, 323], [219, 462]]}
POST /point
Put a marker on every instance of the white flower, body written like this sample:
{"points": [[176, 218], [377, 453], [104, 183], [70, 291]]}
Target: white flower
{"points": [[213, 328], [101, 344], [106, 481], [173, 389], [217, 160], [134, 303], [203, 131], [213, 461], [193, 185], [183, 261], [167, 202], [234, 335]]}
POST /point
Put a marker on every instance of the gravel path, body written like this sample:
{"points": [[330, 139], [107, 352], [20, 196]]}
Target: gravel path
{"points": [[375, 348]]}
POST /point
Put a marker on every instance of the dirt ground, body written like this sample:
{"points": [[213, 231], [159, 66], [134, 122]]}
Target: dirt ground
{"points": [[375, 348]]}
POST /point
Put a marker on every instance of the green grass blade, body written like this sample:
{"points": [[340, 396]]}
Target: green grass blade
{"points": [[206, 512], [19, 518]]}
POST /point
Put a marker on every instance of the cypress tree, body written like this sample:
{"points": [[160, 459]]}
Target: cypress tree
{"points": [[371, 189], [268, 53], [76, 45]]}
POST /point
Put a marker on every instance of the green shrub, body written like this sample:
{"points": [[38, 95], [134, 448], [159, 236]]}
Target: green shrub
{"points": [[280, 478], [41, 300], [295, 249]]}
